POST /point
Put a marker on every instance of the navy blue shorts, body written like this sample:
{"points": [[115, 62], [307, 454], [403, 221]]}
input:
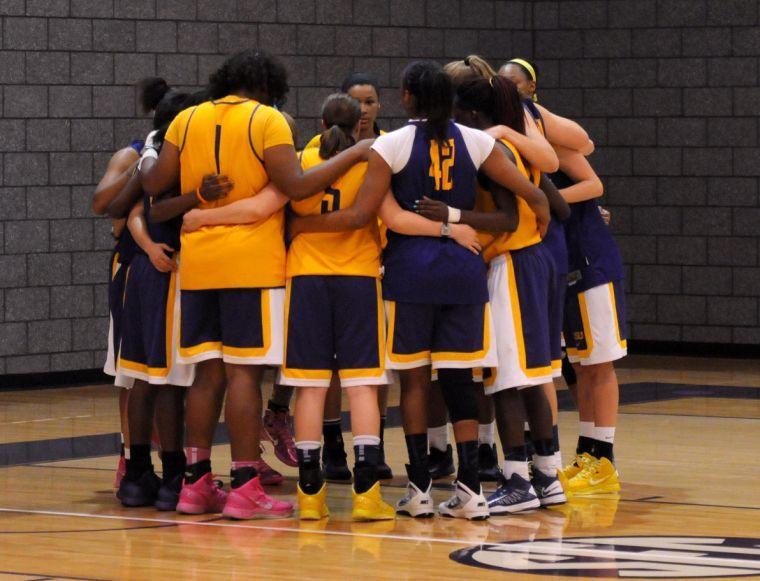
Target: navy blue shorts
{"points": [[444, 336], [557, 292], [520, 285], [334, 324], [239, 325], [116, 283], [148, 342]]}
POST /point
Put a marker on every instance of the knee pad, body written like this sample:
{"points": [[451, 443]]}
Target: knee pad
{"points": [[459, 394]]}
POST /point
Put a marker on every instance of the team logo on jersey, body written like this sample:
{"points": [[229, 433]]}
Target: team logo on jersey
{"points": [[657, 557]]}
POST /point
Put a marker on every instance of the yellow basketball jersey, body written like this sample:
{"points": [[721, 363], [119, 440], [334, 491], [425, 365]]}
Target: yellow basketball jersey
{"points": [[229, 137], [351, 253], [314, 143], [527, 233]]}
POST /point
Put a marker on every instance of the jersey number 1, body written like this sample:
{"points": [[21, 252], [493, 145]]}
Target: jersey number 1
{"points": [[330, 201]]}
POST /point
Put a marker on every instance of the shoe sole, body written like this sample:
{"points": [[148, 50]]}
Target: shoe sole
{"points": [[136, 503], [165, 506], [607, 489], [309, 515], [362, 516], [523, 506], [475, 517], [419, 515], [553, 499], [193, 509], [243, 514]]}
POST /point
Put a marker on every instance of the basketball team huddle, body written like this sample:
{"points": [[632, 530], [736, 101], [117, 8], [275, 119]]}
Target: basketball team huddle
{"points": [[464, 252]]}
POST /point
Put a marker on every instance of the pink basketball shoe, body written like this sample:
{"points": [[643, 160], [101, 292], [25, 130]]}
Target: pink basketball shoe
{"points": [[202, 496], [276, 428], [121, 470], [250, 501], [268, 475]]}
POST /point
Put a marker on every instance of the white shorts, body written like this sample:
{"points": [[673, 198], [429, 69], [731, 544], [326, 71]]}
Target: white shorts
{"points": [[521, 321], [595, 325]]}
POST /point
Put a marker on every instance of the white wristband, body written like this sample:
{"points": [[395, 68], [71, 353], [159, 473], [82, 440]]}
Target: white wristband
{"points": [[147, 152], [455, 214]]}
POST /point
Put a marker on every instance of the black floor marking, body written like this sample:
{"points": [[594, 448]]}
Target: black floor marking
{"points": [[39, 576], [95, 445], [108, 530], [647, 498]]}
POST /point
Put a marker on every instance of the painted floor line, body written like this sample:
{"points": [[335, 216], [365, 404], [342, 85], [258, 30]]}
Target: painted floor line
{"points": [[179, 522]]}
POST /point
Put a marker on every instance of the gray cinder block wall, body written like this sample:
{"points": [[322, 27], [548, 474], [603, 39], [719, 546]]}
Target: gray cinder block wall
{"points": [[667, 88]]}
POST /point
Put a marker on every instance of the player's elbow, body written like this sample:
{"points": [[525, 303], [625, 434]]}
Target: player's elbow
{"points": [[597, 188], [550, 162]]}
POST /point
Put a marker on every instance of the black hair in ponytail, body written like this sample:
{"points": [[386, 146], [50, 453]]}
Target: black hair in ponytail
{"points": [[431, 88], [151, 90], [340, 114], [496, 98]]}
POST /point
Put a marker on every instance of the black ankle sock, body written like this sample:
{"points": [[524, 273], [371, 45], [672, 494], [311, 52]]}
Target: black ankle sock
{"points": [[516, 454], [138, 461], [365, 471], [417, 469], [555, 437], [585, 445], [603, 449], [194, 472], [544, 447], [240, 476], [309, 472], [467, 473], [529, 448], [333, 434], [122, 450], [275, 407], [172, 463]]}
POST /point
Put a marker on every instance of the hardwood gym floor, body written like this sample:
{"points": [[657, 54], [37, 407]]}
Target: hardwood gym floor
{"points": [[690, 504]]}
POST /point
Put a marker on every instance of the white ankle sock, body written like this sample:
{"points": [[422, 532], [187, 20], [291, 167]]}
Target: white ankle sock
{"points": [[366, 440], [308, 445], [545, 464], [485, 433], [518, 467], [587, 429], [604, 434], [438, 437], [558, 460]]}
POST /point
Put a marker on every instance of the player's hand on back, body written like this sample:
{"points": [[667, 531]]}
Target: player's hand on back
{"points": [[605, 215], [432, 209], [465, 236], [215, 187], [157, 253]]}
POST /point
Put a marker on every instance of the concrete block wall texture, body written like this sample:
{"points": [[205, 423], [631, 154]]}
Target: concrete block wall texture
{"points": [[667, 89]]}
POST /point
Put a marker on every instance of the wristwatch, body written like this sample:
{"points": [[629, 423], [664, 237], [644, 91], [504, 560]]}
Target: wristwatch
{"points": [[445, 230]]}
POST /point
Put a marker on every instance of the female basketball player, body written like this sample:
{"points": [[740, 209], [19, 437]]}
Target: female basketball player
{"points": [[148, 347], [435, 291], [521, 284], [232, 277], [599, 338], [365, 89], [120, 167]]}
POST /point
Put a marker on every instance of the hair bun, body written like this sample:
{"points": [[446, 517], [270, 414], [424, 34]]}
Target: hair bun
{"points": [[467, 61]]}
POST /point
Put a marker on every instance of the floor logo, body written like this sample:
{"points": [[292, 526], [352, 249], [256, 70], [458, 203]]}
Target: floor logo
{"points": [[616, 557]]}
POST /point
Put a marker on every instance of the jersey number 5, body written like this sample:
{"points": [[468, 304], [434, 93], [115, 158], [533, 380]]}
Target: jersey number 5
{"points": [[330, 201]]}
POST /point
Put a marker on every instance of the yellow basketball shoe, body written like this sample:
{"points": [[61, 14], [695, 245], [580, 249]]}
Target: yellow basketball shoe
{"points": [[579, 463], [371, 506], [598, 477], [313, 506]]}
